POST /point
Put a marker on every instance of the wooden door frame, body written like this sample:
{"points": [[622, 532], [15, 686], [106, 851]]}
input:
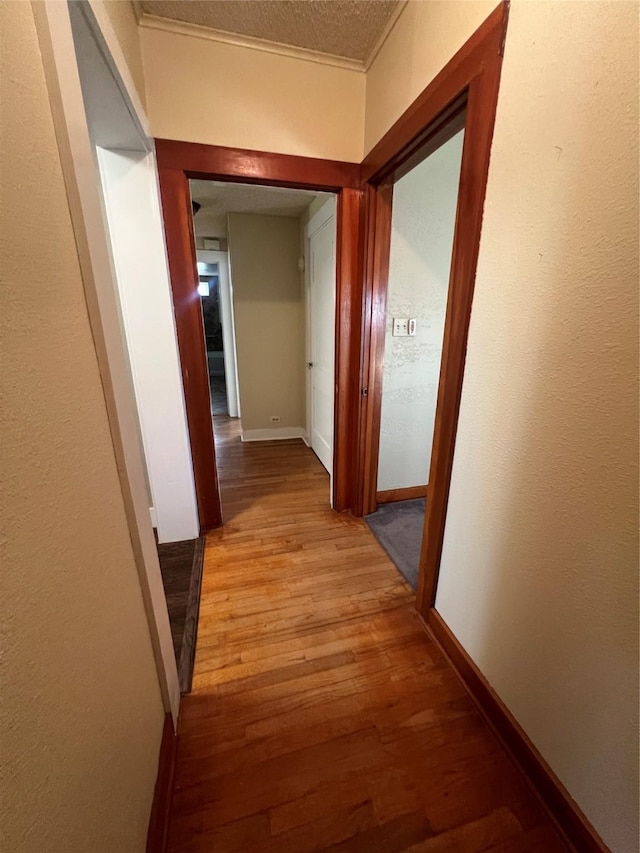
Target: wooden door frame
{"points": [[178, 162], [464, 94]]}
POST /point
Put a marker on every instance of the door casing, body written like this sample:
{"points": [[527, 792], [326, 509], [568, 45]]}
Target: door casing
{"points": [[463, 94], [178, 162]]}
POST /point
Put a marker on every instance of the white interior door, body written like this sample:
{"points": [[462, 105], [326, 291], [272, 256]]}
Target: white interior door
{"points": [[321, 233]]}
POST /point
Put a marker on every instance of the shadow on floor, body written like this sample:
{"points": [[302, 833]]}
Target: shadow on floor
{"points": [[218, 387], [181, 569]]}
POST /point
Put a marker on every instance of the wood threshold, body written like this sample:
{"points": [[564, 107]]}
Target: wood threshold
{"points": [[567, 816], [158, 830], [407, 494]]}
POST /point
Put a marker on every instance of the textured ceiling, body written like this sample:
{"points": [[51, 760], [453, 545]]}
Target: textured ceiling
{"points": [[218, 199], [347, 28]]}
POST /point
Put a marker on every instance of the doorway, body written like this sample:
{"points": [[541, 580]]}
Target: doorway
{"points": [[423, 220], [180, 162], [216, 299], [266, 265]]}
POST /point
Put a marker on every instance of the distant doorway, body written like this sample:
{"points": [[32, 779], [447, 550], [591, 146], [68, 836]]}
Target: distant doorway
{"points": [[182, 163], [214, 288], [266, 264]]}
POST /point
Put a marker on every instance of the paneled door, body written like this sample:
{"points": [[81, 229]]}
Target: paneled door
{"points": [[321, 308]]}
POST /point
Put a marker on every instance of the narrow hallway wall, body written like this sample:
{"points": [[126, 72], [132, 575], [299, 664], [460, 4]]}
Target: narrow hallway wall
{"points": [[82, 713]]}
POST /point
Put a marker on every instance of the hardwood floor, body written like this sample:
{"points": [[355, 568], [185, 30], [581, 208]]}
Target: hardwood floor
{"points": [[322, 717]]}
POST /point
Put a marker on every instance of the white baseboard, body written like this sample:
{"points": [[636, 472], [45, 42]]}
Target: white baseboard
{"points": [[306, 439], [272, 434], [154, 517]]}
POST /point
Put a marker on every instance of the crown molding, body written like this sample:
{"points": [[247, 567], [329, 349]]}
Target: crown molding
{"points": [[384, 35], [154, 22]]}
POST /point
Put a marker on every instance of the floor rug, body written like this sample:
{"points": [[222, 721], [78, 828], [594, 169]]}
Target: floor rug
{"points": [[398, 528]]}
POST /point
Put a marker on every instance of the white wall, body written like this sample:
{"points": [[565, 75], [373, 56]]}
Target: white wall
{"points": [[135, 227], [199, 90], [539, 576], [422, 224]]}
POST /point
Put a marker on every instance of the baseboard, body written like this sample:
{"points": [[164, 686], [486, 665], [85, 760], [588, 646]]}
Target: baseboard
{"points": [[554, 797], [158, 830], [409, 494], [280, 434]]}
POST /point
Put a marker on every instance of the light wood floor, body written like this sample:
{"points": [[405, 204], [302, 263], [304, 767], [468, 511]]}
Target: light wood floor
{"points": [[322, 717]]}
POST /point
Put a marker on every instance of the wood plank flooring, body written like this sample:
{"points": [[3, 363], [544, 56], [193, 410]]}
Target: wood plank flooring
{"points": [[322, 717]]}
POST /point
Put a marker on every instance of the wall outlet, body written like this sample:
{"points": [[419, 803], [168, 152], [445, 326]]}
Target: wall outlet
{"points": [[275, 419], [412, 326], [400, 327]]}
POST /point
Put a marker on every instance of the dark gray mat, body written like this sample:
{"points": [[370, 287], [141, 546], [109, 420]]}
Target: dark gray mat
{"points": [[181, 568], [398, 528]]}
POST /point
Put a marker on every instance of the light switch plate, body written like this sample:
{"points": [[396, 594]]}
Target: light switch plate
{"points": [[412, 326]]}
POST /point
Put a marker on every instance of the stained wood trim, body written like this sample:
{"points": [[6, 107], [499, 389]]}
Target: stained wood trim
{"points": [[561, 807], [378, 242], [158, 829], [211, 162], [408, 494], [347, 344], [179, 161]]}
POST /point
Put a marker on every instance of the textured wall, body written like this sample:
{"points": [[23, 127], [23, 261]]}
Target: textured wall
{"points": [[203, 91], [423, 40], [269, 315], [422, 223], [540, 565], [81, 708]]}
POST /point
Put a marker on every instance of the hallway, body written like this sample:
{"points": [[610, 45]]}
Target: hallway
{"points": [[322, 716]]}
